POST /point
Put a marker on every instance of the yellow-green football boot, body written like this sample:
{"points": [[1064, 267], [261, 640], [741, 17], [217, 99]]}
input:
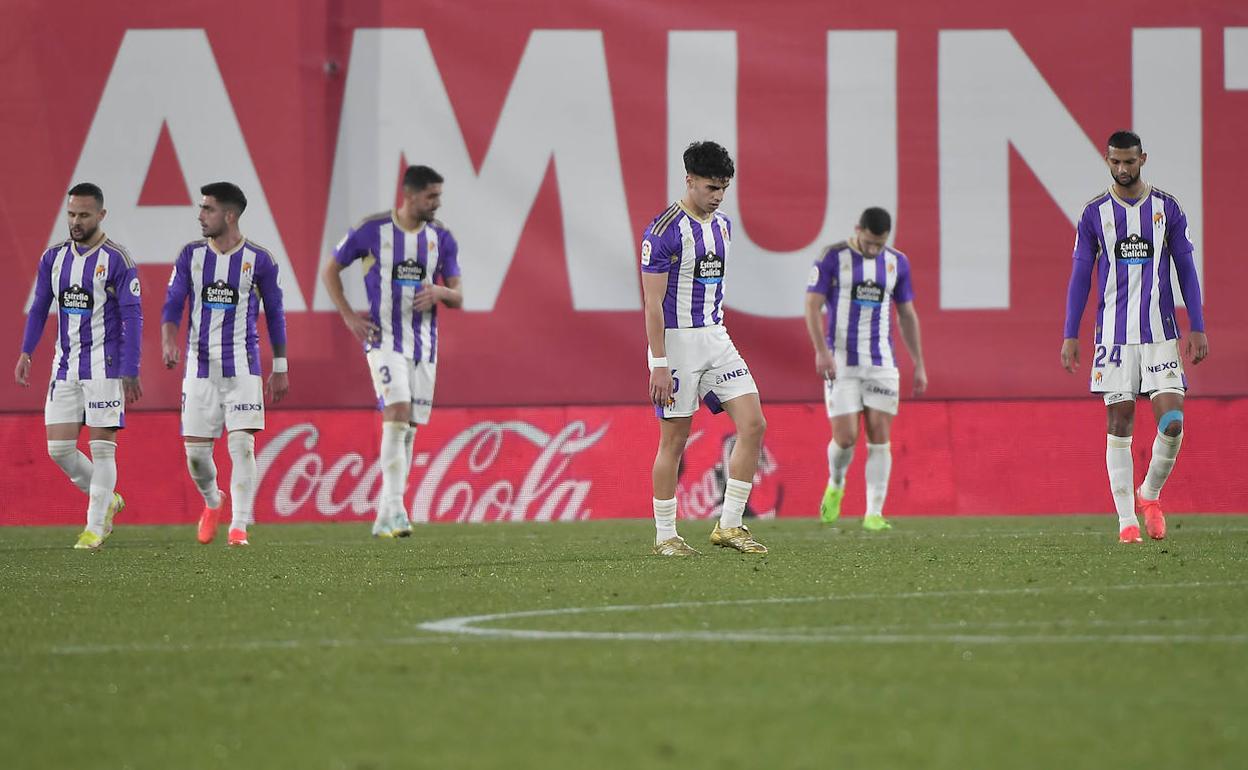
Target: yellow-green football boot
{"points": [[830, 507], [875, 523]]}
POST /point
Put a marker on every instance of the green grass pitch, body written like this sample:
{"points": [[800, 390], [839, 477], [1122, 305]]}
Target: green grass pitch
{"points": [[1035, 642]]}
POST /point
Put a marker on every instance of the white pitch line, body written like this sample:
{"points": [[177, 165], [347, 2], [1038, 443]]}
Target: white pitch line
{"points": [[470, 625], [260, 644]]}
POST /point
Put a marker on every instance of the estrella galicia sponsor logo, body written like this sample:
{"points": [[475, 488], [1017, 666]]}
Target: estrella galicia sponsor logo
{"points": [[104, 404], [246, 407], [76, 301], [1134, 250], [735, 374], [219, 295], [1158, 368], [868, 293], [409, 272], [709, 268]]}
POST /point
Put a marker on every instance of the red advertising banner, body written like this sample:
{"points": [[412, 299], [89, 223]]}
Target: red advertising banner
{"points": [[576, 463], [559, 128]]}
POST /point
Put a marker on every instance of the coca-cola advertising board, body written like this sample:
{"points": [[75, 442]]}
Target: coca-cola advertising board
{"points": [[579, 463]]}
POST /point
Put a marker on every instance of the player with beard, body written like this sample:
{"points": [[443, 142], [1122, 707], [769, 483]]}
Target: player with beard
{"points": [[1131, 234], [96, 370]]}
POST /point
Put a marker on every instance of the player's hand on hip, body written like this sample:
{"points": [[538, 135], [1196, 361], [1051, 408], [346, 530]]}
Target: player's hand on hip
{"points": [[920, 381], [132, 388], [170, 354], [1197, 347], [277, 386], [825, 365], [22, 372], [661, 386], [1070, 354], [362, 327]]}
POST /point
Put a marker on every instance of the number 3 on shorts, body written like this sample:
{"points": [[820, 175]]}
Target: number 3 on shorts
{"points": [[385, 375], [1115, 356]]}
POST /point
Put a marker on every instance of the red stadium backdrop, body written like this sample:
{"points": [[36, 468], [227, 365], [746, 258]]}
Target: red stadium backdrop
{"points": [[559, 128]]}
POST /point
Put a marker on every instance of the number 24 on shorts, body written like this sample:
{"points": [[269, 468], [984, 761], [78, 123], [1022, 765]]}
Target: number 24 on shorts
{"points": [[1115, 356]]}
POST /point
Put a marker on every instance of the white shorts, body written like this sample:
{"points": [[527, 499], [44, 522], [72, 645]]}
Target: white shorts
{"points": [[705, 366], [210, 403], [1122, 372], [856, 387], [97, 403], [398, 379]]}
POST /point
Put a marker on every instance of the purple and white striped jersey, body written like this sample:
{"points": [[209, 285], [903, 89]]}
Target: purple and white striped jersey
{"points": [[693, 253], [397, 263], [860, 292], [224, 293], [99, 317], [1132, 245]]}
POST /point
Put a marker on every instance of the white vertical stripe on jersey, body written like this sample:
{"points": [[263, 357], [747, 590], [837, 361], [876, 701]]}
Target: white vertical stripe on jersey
{"points": [[707, 310], [216, 322], [99, 294], [1158, 206], [684, 283], [246, 256], [411, 248], [844, 288], [863, 332], [1135, 278], [385, 286], [76, 264], [1110, 232], [58, 264], [426, 318], [886, 310]]}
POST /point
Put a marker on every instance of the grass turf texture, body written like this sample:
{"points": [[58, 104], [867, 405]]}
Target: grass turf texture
{"points": [[946, 643]]}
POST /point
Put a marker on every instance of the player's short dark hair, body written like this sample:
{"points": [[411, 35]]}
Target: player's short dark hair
{"points": [[710, 160], [417, 178], [877, 220], [1125, 140], [88, 190], [227, 194]]}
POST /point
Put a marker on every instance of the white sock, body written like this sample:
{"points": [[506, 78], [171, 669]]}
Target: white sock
{"points": [[839, 459], [393, 471], [1120, 467], [664, 519], [1165, 452], [103, 483], [879, 468], [203, 472], [75, 464], [736, 495], [409, 444], [242, 478]]}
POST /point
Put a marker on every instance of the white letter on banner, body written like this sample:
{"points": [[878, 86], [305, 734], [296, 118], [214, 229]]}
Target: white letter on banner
{"points": [[861, 149], [558, 109], [169, 76], [992, 97]]}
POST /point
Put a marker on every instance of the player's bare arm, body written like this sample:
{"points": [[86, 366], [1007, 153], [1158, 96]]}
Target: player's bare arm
{"points": [[908, 322], [170, 351], [276, 387], [1197, 347], [654, 287], [22, 372], [359, 323], [825, 365]]}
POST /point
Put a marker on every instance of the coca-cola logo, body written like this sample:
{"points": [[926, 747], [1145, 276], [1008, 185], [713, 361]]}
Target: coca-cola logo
{"points": [[700, 489], [490, 471]]}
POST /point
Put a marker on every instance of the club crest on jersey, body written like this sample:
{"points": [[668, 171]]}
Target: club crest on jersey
{"points": [[723, 229], [709, 268], [76, 301], [409, 272], [868, 294], [219, 295], [100, 271], [1134, 250], [1159, 219], [246, 268], [1097, 377]]}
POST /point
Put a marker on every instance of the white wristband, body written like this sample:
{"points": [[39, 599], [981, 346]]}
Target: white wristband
{"points": [[657, 363], [280, 366]]}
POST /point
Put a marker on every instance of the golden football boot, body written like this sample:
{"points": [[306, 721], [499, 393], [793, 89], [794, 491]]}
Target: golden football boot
{"points": [[737, 538], [674, 546]]}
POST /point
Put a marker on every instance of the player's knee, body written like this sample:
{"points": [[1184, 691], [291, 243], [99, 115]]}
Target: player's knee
{"points": [[753, 427], [1173, 426]]}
